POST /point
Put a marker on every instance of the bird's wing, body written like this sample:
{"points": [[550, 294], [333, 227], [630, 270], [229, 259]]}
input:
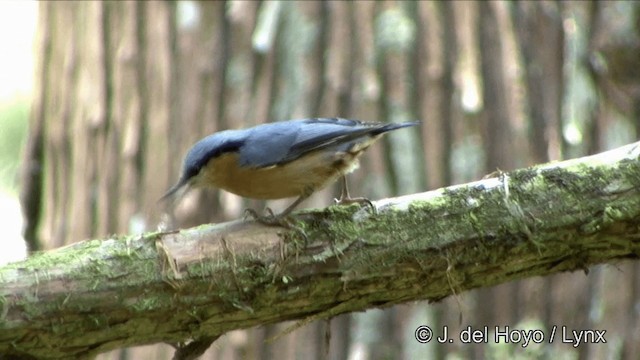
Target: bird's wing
{"points": [[282, 142]]}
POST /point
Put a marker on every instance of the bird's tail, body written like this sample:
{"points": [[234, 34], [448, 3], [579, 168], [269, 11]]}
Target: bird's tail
{"points": [[394, 126]]}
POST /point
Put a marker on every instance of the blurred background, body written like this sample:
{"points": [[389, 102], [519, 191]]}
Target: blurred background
{"points": [[99, 101]]}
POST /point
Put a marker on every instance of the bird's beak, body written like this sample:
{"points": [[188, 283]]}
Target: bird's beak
{"points": [[177, 191]]}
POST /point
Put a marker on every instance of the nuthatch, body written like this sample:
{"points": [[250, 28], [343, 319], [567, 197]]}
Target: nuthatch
{"points": [[281, 159]]}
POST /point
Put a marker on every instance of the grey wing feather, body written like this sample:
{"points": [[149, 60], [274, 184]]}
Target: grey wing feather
{"points": [[267, 144], [322, 133], [281, 142], [336, 133]]}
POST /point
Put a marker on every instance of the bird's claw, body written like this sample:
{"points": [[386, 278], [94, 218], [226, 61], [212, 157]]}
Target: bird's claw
{"points": [[275, 220], [264, 219], [359, 200]]}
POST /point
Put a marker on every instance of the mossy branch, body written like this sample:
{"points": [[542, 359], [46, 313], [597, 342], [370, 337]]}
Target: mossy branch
{"points": [[199, 283]]}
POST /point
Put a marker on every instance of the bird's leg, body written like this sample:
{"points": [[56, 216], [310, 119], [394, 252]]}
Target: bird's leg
{"points": [[345, 197], [290, 208]]}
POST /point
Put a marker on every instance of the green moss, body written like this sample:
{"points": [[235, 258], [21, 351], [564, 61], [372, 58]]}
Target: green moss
{"points": [[456, 199], [97, 321], [46, 259], [562, 178], [203, 269], [614, 214], [423, 207], [148, 303], [631, 167], [341, 211], [523, 176]]}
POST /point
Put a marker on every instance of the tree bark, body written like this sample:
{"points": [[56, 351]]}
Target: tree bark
{"points": [[196, 284]]}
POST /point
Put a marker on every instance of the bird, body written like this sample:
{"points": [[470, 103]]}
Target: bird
{"points": [[283, 159]]}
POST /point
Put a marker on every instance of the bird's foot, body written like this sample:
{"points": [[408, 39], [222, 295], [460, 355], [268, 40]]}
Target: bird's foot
{"points": [[272, 219], [269, 219], [359, 200]]}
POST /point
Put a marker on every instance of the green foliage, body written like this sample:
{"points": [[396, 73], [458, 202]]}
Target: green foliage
{"points": [[14, 116]]}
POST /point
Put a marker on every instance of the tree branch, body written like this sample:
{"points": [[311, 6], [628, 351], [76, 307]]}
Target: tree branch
{"points": [[199, 283]]}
